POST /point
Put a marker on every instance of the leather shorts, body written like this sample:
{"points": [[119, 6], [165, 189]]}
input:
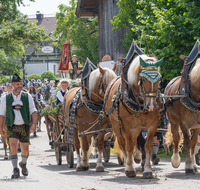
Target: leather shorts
{"points": [[20, 132]]}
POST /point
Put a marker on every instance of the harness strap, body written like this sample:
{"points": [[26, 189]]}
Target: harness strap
{"points": [[102, 112]]}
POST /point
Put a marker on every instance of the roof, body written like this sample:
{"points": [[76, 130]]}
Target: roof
{"points": [[87, 8], [49, 23]]}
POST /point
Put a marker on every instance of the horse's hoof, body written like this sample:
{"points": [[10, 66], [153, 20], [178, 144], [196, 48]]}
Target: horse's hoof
{"points": [[195, 169], [190, 171], [85, 168], [137, 161], [5, 157], [78, 169], [147, 175], [175, 166], [100, 169], [130, 173]]}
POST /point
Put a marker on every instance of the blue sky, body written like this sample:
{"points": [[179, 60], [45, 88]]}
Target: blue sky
{"points": [[44, 6]]}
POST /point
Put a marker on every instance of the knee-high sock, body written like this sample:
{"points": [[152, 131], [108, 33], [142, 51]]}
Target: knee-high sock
{"points": [[24, 159], [14, 160], [197, 148], [155, 148]]}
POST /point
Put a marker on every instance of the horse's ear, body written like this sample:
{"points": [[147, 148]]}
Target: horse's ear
{"points": [[152, 55], [101, 70], [183, 57], [114, 67]]}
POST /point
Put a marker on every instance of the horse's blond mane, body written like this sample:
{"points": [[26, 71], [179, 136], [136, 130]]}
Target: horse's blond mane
{"points": [[94, 76], [134, 68], [194, 75]]}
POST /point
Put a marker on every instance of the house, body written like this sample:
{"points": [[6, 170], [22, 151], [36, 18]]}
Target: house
{"points": [[48, 58], [109, 39]]}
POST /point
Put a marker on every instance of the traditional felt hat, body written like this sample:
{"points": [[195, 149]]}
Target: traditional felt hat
{"points": [[56, 81], [16, 78], [150, 70]]}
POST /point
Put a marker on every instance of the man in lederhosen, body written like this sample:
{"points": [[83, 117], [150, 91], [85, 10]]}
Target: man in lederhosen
{"points": [[15, 110]]}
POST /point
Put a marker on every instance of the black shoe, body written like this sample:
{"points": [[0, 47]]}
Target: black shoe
{"points": [[197, 159], [51, 143], [15, 173], [24, 169], [155, 159]]}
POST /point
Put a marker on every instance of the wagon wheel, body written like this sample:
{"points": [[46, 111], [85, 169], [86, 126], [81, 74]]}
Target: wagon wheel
{"points": [[106, 153], [70, 156], [58, 154], [120, 161], [57, 147]]}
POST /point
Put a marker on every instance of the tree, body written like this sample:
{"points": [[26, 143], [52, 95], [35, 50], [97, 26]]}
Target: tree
{"points": [[82, 32], [35, 76], [49, 75], [171, 28], [16, 32]]}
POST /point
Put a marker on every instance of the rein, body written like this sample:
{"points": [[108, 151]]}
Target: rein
{"points": [[92, 92]]}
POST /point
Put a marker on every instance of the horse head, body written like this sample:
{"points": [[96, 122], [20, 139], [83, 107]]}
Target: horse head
{"points": [[99, 80], [144, 77]]}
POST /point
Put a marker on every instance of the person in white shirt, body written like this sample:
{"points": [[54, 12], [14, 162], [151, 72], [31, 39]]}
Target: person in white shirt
{"points": [[64, 84], [15, 110]]}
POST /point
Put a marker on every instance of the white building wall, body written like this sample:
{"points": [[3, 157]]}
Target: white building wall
{"points": [[35, 68]]}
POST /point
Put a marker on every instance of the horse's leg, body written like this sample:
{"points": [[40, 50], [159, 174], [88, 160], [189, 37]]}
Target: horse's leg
{"points": [[131, 140], [85, 148], [175, 159], [120, 139], [148, 149], [141, 143], [194, 139], [187, 144], [77, 149], [100, 146], [5, 147]]}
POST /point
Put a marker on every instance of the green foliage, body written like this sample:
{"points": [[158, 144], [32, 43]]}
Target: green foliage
{"points": [[48, 110], [171, 28], [16, 31], [82, 32], [49, 75], [35, 76]]}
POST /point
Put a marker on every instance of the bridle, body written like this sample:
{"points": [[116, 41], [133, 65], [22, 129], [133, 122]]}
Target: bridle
{"points": [[101, 85]]}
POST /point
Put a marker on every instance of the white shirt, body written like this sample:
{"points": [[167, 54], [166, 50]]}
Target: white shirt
{"points": [[18, 117], [60, 96]]}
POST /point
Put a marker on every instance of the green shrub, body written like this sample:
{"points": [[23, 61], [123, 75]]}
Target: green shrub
{"points": [[35, 76], [49, 75]]}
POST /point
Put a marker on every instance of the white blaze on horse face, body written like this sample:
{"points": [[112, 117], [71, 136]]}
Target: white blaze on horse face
{"points": [[151, 107]]}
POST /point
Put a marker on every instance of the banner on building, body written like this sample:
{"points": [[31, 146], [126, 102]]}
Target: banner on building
{"points": [[64, 61]]}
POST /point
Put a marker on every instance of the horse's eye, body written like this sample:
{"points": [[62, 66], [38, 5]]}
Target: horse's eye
{"points": [[143, 80]]}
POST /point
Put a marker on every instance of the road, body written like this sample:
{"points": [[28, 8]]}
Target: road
{"points": [[44, 173]]}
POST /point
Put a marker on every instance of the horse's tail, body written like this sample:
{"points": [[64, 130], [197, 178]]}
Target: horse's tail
{"points": [[117, 149], [169, 137]]}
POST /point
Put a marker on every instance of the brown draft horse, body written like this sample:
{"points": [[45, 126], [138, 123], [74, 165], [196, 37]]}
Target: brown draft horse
{"points": [[131, 125], [179, 115], [85, 119]]}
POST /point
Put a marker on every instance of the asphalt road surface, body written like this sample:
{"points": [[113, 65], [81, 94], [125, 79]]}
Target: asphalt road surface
{"points": [[45, 174]]}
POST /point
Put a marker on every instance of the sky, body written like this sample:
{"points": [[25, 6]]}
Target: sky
{"points": [[44, 6]]}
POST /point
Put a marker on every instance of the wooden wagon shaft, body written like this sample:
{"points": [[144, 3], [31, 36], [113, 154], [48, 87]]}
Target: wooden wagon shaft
{"points": [[110, 130], [95, 132], [61, 143]]}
